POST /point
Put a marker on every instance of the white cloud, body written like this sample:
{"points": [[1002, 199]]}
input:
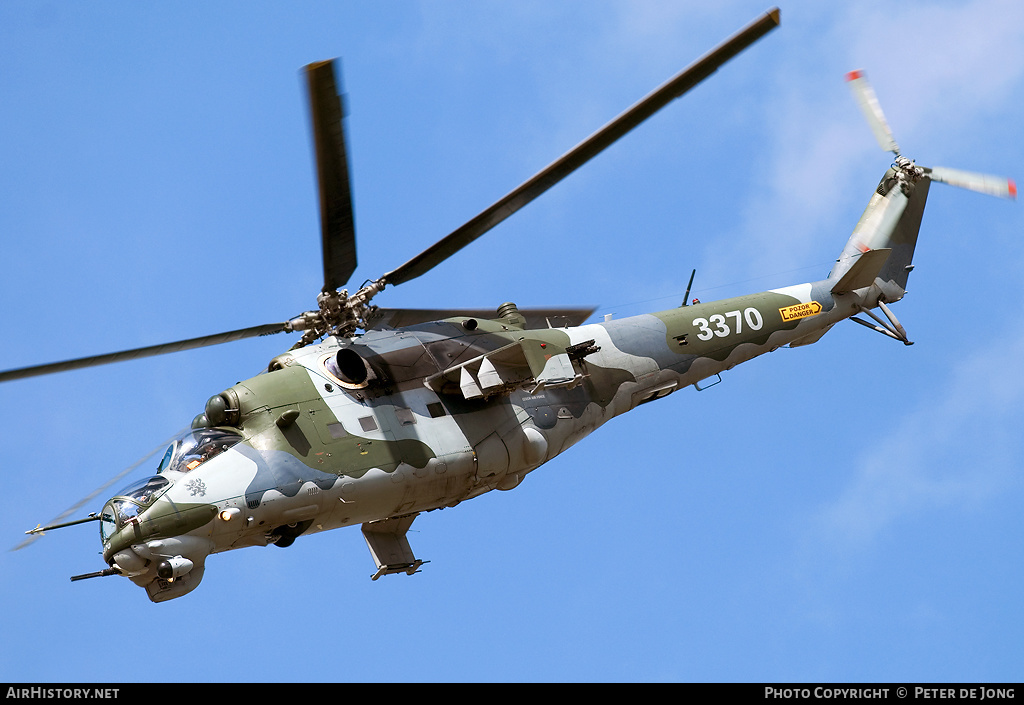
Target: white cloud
{"points": [[944, 63], [956, 451], [934, 67]]}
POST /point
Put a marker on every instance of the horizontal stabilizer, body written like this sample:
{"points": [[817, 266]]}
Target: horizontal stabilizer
{"points": [[863, 271]]}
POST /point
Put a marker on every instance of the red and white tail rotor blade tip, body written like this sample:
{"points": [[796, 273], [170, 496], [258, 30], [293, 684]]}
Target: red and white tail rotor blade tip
{"points": [[982, 183], [872, 109]]}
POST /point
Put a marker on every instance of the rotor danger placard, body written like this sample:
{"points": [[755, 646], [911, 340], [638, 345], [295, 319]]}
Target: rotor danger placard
{"points": [[792, 313]]}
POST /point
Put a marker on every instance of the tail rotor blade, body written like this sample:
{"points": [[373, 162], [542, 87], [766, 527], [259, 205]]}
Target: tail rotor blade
{"points": [[872, 109], [982, 183]]}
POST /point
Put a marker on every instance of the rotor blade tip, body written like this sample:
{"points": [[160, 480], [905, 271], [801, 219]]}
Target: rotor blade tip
{"points": [[774, 14], [854, 75], [1011, 186]]}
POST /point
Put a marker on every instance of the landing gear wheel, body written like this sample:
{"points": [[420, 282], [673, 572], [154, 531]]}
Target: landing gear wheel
{"points": [[287, 533]]}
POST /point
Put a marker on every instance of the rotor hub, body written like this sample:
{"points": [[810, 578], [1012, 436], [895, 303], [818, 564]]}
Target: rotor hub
{"points": [[339, 314], [907, 173]]}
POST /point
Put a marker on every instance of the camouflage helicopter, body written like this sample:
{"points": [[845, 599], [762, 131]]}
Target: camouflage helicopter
{"points": [[376, 415]]}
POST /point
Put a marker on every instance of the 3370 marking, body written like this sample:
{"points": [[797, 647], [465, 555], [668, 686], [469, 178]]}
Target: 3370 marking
{"points": [[718, 323]]}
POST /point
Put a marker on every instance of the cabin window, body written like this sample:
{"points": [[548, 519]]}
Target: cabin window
{"points": [[435, 410], [368, 423]]}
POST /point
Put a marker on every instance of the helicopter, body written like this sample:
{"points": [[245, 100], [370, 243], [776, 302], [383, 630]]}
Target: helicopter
{"points": [[426, 409]]}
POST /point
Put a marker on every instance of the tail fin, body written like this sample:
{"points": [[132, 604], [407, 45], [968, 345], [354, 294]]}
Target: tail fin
{"points": [[904, 238], [882, 245]]}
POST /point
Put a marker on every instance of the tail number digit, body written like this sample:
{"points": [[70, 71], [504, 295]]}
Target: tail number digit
{"points": [[751, 316]]}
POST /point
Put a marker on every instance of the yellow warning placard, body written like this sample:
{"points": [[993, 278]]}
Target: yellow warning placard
{"points": [[791, 313]]}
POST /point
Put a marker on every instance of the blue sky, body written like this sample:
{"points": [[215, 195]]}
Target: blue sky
{"points": [[844, 512]]}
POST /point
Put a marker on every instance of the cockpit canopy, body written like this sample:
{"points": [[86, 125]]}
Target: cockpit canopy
{"points": [[186, 452], [194, 447]]}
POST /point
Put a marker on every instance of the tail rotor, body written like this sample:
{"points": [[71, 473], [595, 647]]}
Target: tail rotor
{"points": [[881, 249], [907, 170]]}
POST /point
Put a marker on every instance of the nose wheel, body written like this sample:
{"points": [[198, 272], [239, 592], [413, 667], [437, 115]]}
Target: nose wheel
{"points": [[285, 535]]}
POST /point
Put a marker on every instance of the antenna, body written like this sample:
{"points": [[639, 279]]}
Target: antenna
{"points": [[686, 297]]}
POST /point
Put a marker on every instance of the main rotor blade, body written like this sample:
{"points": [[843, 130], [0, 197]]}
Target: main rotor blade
{"points": [[534, 317], [982, 183], [337, 224], [150, 351], [35, 534], [872, 109], [583, 152]]}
